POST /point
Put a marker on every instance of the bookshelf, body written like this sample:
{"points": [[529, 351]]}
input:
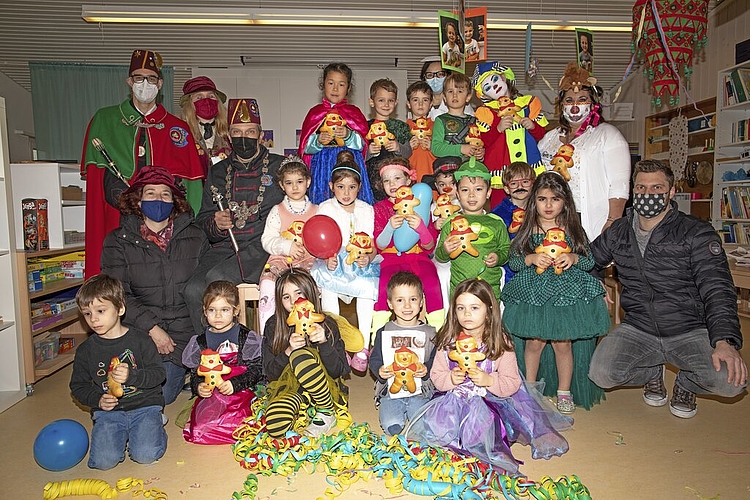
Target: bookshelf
{"points": [[731, 207], [696, 183]]}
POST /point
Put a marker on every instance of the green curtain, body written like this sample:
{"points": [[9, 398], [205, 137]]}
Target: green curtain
{"points": [[65, 96]]}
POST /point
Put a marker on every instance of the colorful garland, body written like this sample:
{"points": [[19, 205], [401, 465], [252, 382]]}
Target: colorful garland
{"points": [[358, 453]]}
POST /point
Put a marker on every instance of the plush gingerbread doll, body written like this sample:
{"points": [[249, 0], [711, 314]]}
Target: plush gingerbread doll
{"points": [[466, 353], [563, 160], [294, 231], [554, 245], [405, 364], [359, 244], [444, 207], [113, 387], [379, 133], [422, 129], [461, 229], [303, 316], [331, 123], [516, 220], [212, 368], [405, 201], [473, 137]]}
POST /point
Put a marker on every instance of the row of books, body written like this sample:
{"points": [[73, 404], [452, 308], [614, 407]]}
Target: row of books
{"points": [[736, 232], [735, 202], [736, 86], [740, 130]]}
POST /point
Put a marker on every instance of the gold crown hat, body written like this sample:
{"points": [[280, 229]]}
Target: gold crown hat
{"points": [[575, 78], [145, 59], [243, 111]]}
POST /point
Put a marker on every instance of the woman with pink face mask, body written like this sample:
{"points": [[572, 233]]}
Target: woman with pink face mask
{"points": [[204, 110], [600, 172]]}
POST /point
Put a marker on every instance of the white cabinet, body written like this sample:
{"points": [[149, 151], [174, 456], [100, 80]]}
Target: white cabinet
{"points": [[12, 382], [731, 207], [46, 180]]}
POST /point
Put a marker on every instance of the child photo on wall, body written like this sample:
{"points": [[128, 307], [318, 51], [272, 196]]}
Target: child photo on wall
{"points": [[475, 34], [451, 42], [585, 48]]}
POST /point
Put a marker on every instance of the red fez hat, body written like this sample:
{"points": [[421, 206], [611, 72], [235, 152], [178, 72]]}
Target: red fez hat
{"points": [[198, 84], [145, 59], [243, 111], [153, 174]]}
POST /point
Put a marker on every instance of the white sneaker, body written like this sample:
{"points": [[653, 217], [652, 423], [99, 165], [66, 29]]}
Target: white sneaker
{"points": [[320, 424]]}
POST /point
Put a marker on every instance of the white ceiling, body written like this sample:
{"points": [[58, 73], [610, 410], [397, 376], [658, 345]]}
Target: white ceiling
{"points": [[52, 30]]}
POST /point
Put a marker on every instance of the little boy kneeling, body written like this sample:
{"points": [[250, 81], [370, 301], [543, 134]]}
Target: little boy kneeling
{"points": [[127, 405], [410, 344]]}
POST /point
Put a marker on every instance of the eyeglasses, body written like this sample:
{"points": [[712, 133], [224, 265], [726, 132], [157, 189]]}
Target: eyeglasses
{"points": [[519, 182], [150, 79], [226, 311], [436, 74]]}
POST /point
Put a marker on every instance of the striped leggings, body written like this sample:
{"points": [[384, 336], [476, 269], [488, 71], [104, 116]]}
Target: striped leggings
{"points": [[282, 412]]}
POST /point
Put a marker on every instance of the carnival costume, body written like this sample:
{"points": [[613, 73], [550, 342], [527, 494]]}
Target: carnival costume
{"points": [[323, 159]]}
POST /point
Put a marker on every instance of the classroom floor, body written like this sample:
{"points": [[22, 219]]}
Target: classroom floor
{"points": [[661, 457]]}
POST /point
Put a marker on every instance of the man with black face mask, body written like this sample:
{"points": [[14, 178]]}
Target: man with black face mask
{"points": [[679, 300], [246, 183]]}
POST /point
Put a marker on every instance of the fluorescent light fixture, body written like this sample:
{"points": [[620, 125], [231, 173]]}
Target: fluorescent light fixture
{"points": [[155, 14]]}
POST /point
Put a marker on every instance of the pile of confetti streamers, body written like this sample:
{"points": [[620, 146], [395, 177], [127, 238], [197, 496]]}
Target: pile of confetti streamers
{"points": [[358, 453], [99, 487]]}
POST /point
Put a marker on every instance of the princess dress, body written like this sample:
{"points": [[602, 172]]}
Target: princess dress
{"points": [[472, 421], [549, 306]]}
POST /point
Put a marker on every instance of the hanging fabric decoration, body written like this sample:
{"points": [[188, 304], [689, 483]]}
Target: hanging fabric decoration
{"points": [[678, 146], [665, 34]]}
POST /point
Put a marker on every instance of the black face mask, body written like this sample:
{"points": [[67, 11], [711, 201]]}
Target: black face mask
{"points": [[245, 147]]}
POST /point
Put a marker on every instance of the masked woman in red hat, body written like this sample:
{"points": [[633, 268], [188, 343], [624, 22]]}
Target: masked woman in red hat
{"points": [[204, 111], [154, 252]]}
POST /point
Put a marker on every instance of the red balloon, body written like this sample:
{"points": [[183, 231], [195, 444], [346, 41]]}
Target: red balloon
{"points": [[321, 236]]}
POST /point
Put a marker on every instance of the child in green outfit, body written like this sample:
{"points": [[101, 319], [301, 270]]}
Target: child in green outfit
{"points": [[475, 242]]}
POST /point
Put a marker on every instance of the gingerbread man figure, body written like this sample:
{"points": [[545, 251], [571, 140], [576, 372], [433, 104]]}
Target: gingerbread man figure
{"points": [[405, 364], [359, 244], [294, 231], [331, 122], [212, 368], [444, 208], [303, 316], [113, 387], [554, 245], [405, 201], [379, 134], [516, 220], [563, 160], [461, 229], [466, 353], [422, 129]]}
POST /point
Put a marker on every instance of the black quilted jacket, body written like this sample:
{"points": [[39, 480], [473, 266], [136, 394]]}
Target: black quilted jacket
{"points": [[681, 283]]}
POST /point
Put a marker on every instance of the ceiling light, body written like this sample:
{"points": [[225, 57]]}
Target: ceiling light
{"points": [[155, 14]]}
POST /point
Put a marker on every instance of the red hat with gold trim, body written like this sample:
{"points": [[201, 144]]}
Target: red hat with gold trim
{"points": [[145, 59], [243, 111]]}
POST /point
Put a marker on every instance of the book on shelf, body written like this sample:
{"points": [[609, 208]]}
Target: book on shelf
{"points": [[729, 99], [739, 89], [735, 206], [745, 79]]}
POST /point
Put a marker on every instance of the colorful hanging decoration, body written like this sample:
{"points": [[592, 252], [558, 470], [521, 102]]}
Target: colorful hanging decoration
{"points": [[665, 34]]}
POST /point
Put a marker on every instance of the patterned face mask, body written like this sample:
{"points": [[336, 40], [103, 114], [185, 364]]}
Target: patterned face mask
{"points": [[649, 205]]}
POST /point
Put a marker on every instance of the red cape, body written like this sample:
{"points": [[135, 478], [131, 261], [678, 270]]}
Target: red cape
{"points": [[355, 120]]}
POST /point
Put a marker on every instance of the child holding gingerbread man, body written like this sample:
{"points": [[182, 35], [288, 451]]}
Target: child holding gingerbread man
{"points": [[222, 403], [403, 385]]}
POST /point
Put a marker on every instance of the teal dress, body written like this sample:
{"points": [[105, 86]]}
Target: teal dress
{"points": [[549, 306]]}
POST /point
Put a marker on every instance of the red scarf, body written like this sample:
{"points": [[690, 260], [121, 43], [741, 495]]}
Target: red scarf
{"points": [[160, 239]]}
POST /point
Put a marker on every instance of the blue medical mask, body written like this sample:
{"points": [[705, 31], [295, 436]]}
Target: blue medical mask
{"points": [[156, 210], [436, 84]]}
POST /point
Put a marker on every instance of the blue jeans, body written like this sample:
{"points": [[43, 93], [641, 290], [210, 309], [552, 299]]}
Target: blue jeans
{"points": [[140, 430], [628, 356], [174, 382], [394, 413]]}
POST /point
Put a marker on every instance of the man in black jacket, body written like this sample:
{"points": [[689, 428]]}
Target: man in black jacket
{"points": [[679, 300]]}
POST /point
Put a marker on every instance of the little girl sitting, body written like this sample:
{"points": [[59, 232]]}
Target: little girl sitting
{"points": [[220, 409], [305, 372]]}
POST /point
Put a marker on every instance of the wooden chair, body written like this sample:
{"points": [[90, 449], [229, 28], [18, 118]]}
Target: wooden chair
{"points": [[249, 292]]}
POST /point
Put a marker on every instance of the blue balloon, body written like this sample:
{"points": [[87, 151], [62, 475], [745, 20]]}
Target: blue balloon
{"points": [[404, 237], [61, 445]]}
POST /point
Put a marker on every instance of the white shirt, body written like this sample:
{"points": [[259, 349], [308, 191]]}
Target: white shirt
{"points": [[601, 171], [361, 220]]}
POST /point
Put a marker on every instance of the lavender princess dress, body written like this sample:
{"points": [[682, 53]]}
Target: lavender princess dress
{"points": [[472, 421]]}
